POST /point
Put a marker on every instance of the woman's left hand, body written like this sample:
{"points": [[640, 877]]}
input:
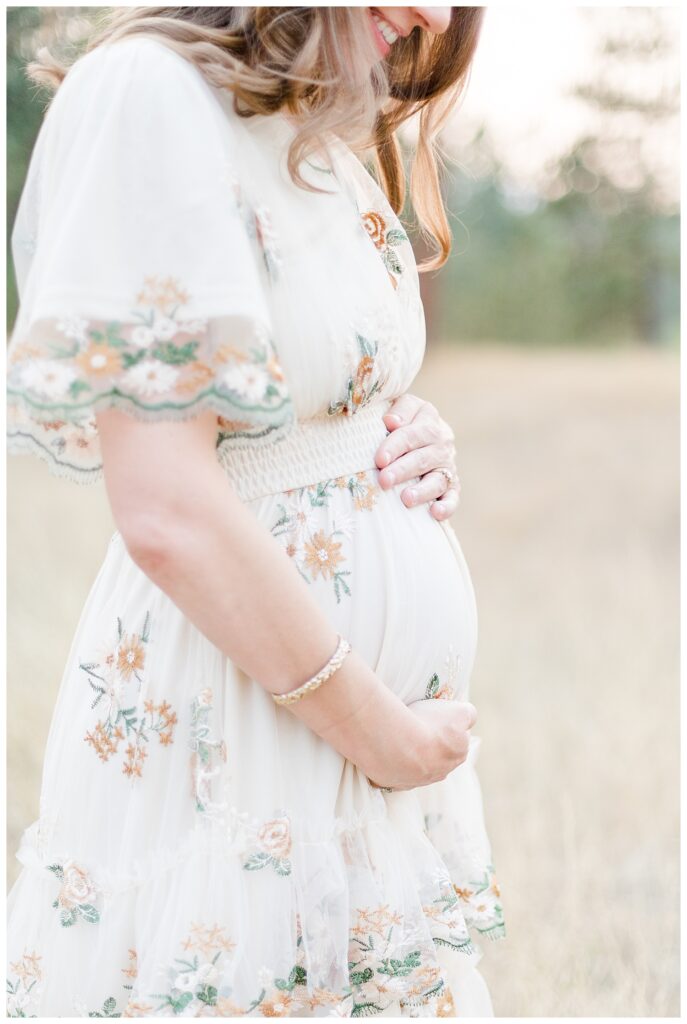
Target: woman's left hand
{"points": [[420, 443]]}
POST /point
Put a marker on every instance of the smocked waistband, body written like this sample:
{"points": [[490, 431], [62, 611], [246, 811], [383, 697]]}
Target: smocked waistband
{"points": [[315, 449]]}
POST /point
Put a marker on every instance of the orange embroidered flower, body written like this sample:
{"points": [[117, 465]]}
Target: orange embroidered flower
{"points": [[135, 756], [446, 1006], [132, 970], [131, 656], [135, 1008], [375, 226], [27, 967], [161, 292], [322, 554], [77, 887], [99, 360], [463, 894], [104, 743], [274, 368], [275, 837], [193, 377], [227, 353]]}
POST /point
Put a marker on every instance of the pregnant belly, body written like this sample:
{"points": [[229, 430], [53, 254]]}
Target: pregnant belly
{"points": [[393, 580]]}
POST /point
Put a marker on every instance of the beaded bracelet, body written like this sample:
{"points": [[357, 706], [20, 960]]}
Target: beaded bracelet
{"points": [[342, 649]]}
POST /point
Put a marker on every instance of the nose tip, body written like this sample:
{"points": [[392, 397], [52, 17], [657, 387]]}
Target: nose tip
{"points": [[433, 19]]}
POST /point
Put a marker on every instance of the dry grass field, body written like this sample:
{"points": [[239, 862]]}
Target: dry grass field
{"points": [[569, 521]]}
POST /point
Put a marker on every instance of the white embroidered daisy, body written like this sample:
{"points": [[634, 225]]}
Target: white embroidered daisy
{"points": [[247, 380], [73, 327], [49, 378], [345, 523], [142, 336], [482, 907], [151, 377], [265, 977], [165, 328], [303, 518]]}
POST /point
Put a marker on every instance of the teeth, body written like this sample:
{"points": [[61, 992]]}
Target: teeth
{"points": [[388, 33]]}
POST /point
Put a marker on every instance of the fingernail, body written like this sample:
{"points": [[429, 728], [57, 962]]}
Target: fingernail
{"points": [[412, 495], [390, 478], [394, 418], [384, 458]]}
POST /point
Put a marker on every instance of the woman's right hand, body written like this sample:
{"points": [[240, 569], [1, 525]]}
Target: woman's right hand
{"points": [[441, 745]]}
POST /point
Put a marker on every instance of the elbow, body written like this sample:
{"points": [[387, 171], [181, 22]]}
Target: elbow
{"points": [[151, 539]]}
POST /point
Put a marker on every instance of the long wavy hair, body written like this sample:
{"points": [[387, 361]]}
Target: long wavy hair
{"points": [[320, 65]]}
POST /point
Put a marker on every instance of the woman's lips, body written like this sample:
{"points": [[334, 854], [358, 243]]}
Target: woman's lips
{"points": [[381, 42]]}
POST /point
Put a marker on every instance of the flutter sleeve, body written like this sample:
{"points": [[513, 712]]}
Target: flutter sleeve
{"points": [[139, 277]]}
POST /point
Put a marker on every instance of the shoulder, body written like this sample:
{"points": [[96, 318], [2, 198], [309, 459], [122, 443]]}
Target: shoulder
{"points": [[140, 76], [148, 58]]}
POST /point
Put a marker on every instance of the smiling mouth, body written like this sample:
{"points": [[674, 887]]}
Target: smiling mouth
{"points": [[385, 34]]}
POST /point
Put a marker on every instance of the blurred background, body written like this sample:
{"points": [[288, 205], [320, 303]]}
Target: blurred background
{"points": [[553, 351]]}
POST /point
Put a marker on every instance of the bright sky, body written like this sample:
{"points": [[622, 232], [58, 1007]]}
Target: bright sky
{"points": [[526, 60]]}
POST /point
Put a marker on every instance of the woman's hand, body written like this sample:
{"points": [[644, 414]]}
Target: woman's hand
{"points": [[420, 443], [442, 745]]}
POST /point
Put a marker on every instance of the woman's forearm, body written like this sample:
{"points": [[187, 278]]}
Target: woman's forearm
{"points": [[232, 579]]}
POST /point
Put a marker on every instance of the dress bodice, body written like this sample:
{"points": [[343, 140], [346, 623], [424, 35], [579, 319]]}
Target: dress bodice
{"points": [[167, 262]]}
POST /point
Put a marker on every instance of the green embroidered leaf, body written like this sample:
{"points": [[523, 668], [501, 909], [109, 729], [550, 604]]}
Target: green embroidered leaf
{"points": [[392, 262], [208, 995], [108, 1010], [89, 913], [175, 355], [396, 235], [299, 976], [281, 866], [145, 634], [114, 340], [77, 386], [56, 870], [360, 977], [432, 687], [130, 359], [180, 1004], [67, 918], [256, 861]]}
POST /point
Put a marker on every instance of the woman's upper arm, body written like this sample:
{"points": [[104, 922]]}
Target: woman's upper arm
{"points": [[145, 293], [153, 469]]}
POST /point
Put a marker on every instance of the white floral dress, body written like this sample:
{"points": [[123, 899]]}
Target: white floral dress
{"points": [[199, 852]]}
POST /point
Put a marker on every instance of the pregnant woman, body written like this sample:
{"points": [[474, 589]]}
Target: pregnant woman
{"points": [[259, 794]]}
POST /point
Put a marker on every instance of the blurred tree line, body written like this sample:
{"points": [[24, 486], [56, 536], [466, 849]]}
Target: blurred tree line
{"points": [[593, 260]]}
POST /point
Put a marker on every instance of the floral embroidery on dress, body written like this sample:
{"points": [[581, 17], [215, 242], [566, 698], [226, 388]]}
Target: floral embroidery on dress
{"points": [[24, 985], [438, 690], [128, 715], [386, 239], [382, 972], [204, 748], [482, 908], [158, 361], [363, 383], [77, 896], [194, 978], [273, 841], [385, 967], [317, 552]]}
